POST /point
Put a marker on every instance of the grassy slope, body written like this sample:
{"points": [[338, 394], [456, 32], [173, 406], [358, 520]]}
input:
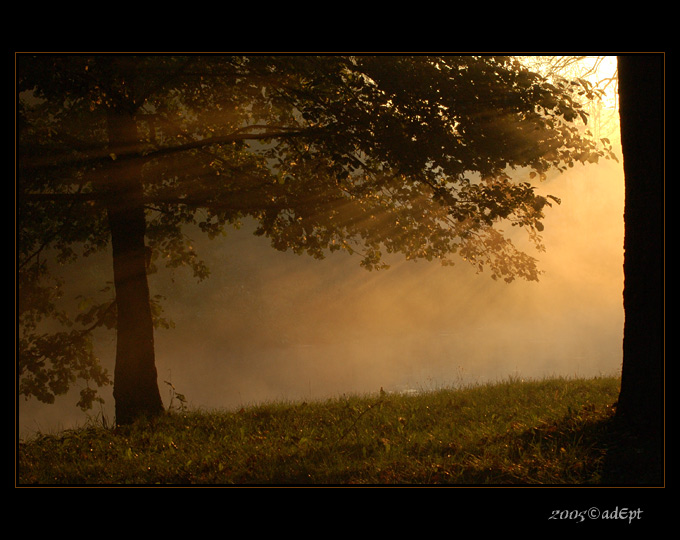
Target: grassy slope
{"points": [[556, 431]]}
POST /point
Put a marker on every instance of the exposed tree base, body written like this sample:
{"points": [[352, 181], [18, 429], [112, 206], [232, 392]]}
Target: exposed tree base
{"points": [[130, 414]]}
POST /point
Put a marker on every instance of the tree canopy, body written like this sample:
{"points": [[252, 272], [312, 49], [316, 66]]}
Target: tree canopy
{"points": [[427, 156]]}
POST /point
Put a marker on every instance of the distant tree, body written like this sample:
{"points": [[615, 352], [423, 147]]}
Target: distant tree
{"points": [[641, 92], [366, 154]]}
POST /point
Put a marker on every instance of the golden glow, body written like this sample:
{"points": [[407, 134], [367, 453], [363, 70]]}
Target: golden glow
{"points": [[269, 325]]}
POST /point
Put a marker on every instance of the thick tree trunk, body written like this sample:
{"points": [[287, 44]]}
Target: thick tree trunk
{"points": [[641, 92], [135, 387]]}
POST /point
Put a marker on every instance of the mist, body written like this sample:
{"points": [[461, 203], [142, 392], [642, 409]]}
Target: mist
{"points": [[273, 326]]}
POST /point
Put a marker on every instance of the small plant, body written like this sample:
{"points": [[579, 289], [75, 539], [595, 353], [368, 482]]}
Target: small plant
{"points": [[174, 394], [100, 419]]}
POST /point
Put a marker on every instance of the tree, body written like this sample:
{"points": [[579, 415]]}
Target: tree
{"points": [[641, 91], [418, 155]]}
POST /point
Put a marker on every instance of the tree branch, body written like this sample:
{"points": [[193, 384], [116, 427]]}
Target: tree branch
{"points": [[238, 135], [105, 156]]}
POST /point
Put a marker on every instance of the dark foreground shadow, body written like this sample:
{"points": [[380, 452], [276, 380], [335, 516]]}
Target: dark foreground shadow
{"points": [[634, 457]]}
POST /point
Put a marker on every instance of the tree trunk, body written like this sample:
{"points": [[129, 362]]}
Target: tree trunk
{"points": [[641, 92], [135, 387]]}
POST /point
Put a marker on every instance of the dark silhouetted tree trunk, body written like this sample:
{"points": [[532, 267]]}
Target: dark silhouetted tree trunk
{"points": [[135, 387], [641, 91]]}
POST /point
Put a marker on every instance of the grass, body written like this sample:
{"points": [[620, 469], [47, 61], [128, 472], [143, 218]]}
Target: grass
{"points": [[553, 431]]}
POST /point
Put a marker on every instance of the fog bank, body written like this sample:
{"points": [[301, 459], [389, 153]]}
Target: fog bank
{"points": [[276, 326]]}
